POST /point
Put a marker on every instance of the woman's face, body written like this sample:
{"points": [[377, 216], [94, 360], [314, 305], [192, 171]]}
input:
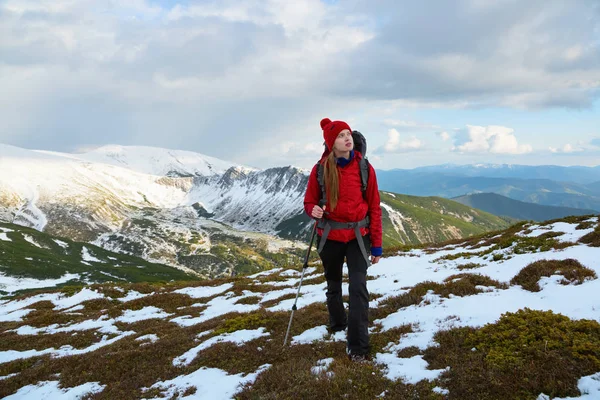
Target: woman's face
{"points": [[344, 141]]}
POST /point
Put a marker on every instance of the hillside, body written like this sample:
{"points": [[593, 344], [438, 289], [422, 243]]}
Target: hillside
{"points": [[415, 220], [191, 211], [31, 260], [503, 206], [512, 313]]}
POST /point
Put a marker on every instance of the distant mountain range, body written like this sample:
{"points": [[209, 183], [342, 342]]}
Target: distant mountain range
{"points": [[504, 206], [574, 174], [528, 184]]}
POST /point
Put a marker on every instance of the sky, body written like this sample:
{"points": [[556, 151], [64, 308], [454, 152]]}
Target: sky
{"points": [[247, 81]]}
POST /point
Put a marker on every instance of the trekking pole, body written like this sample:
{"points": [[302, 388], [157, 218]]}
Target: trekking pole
{"points": [[294, 308]]}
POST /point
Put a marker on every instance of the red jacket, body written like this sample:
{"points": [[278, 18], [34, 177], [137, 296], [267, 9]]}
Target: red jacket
{"points": [[351, 206]]}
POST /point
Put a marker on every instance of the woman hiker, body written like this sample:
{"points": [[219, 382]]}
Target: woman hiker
{"points": [[349, 227]]}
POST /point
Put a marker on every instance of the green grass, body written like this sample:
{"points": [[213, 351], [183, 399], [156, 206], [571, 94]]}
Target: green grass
{"points": [[435, 219], [520, 356]]}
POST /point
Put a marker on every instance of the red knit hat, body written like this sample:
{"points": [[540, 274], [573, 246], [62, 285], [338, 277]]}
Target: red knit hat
{"points": [[331, 130]]}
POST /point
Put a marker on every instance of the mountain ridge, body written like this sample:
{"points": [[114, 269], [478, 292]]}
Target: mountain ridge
{"points": [[182, 217], [503, 206], [540, 191]]}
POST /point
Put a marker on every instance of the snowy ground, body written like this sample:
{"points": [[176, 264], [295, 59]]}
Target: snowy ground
{"points": [[391, 277]]}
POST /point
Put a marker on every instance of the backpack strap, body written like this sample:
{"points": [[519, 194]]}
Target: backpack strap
{"points": [[321, 180], [364, 175]]}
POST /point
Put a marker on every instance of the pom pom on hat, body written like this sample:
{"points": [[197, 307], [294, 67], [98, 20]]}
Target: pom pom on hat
{"points": [[325, 122], [331, 130]]}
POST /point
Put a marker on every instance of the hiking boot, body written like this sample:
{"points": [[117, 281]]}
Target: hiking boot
{"points": [[336, 329], [357, 357]]}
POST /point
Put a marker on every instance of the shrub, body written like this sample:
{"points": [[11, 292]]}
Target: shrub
{"points": [[520, 356], [244, 321], [571, 269], [592, 239], [469, 266]]}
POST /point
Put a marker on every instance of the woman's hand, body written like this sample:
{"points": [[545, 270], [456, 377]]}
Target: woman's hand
{"points": [[317, 212], [375, 260]]}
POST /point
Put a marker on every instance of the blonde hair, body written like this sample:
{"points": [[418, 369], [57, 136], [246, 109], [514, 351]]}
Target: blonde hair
{"points": [[332, 181]]}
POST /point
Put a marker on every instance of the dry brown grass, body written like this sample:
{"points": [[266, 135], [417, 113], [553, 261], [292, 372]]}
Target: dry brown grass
{"points": [[379, 340], [570, 269], [79, 340], [593, 238], [291, 378], [128, 365], [469, 266], [249, 300]]}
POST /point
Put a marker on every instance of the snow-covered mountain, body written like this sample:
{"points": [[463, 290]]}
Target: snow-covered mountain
{"points": [[154, 161], [178, 207], [33, 182], [146, 201], [512, 314]]}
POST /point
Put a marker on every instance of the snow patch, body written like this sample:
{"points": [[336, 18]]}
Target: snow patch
{"points": [[204, 291], [322, 366], [148, 312], [210, 383], [150, 338], [86, 256], [238, 337], [411, 370], [61, 243], [13, 284], [51, 390], [133, 295], [31, 240]]}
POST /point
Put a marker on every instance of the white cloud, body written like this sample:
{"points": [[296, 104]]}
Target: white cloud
{"points": [[395, 144], [408, 125], [299, 149], [444, 135], [204, 74], [492, 139], [567, 148]]}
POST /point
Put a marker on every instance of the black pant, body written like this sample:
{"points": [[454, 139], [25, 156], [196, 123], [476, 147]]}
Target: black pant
{"points": [[333, 255]]}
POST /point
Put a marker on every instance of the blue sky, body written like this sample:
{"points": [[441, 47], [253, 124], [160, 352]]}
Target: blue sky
{"points": [[459, 81]]}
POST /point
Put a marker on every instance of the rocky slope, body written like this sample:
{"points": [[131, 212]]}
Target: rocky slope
{"points": [[192, 211]]}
